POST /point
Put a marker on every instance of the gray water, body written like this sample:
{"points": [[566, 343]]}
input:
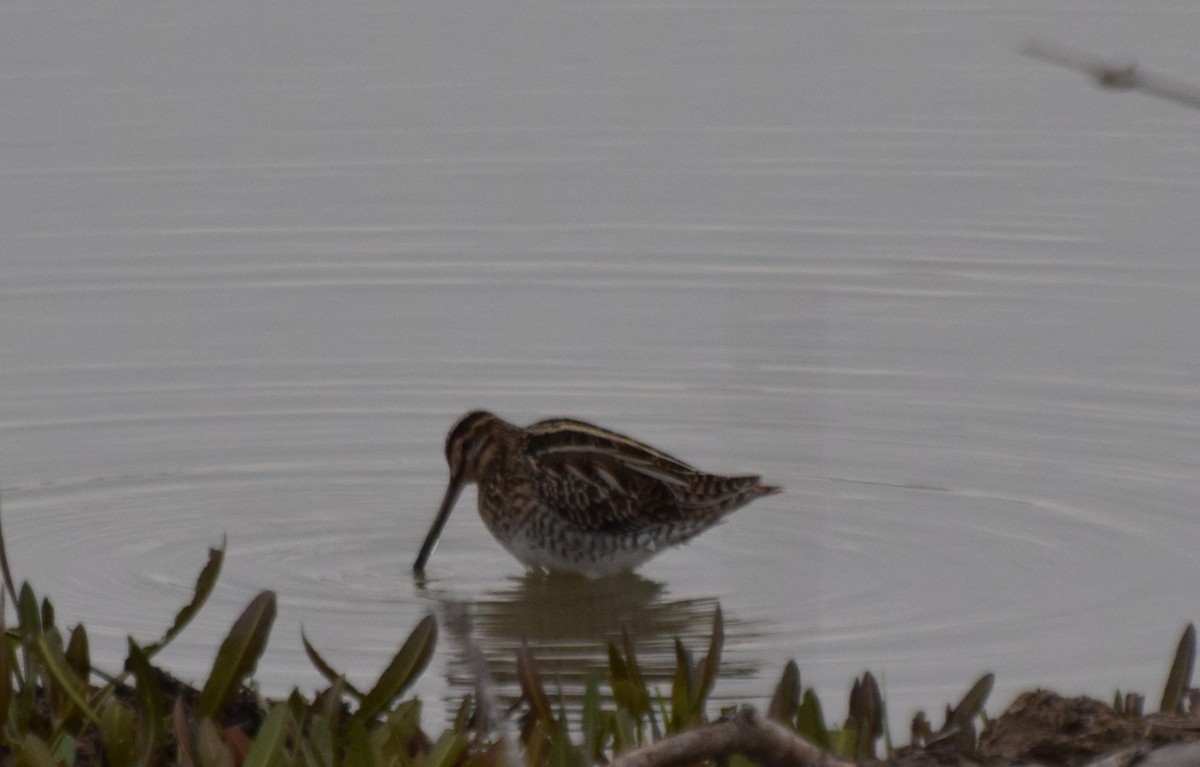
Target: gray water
{"points": [[254, 262]]}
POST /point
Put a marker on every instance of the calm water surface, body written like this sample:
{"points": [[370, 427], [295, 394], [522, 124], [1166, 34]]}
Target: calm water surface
{"points": [[254, 264]]}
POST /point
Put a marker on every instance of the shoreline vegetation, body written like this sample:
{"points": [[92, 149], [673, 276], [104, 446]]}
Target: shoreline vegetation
{"points": [[57, 709]]}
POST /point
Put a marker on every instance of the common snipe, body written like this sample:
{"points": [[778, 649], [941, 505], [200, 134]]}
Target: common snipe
{"points": [[569, 496]]}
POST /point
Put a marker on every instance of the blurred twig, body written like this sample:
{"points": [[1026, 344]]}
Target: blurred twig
{"points": [[1124, 75]]}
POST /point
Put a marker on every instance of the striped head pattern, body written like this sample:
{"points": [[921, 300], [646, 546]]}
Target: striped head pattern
{"points": [[475, 442]]}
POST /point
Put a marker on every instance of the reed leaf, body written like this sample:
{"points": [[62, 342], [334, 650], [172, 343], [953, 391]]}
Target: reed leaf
{"points": [[182, 729], [34, 752], [403, 670], [9, 584], [404, 721], [78, 654], [64, 678], [7, 664], [204, 586], [462, 717], [327, 671], [537, 742], [29, 628], [238, 655], [448, 750], [590, 722], [63, 749], [971, 704], [563, 752], [865, 706], [624, 730], [59, 704], [682, 687], [531, 685], [319, 747], [358, 746], [211, 750], [625, 678], [150, 707], [786, 700], [29, 615], [329, 702], [864, 719], [810, 721], [47, 615], [267, 748], [118, 735], [709, 666], [1180, 677], [636, 676]]}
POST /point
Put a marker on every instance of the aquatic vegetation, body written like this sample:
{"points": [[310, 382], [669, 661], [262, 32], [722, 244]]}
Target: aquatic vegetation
{"points": [[56, 708]]}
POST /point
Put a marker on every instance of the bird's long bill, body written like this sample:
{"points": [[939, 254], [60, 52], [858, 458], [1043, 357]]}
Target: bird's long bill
{"points": [[455, 487]]}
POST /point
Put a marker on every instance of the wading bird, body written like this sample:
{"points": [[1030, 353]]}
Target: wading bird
{"points": [[568, 496]]}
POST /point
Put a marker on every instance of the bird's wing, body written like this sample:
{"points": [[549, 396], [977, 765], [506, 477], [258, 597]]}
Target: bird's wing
{"points": [[567, 435], [600, 480], [594, 493]]}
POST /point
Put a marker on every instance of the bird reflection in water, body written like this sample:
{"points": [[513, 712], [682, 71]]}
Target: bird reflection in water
{"points": [[568, 622]]}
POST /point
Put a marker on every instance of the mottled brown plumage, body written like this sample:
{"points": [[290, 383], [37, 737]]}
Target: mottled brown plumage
{"points": [[566, 495]]}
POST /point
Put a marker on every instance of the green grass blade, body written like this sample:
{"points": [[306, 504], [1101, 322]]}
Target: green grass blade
{"points": [[624, 731], [462, 718], [204, 586], [211, 749], [29, 615], [47, 615], [34, 753], [531, 685], [590, 720], [327, 671], [78, 655], [709, 666], [786, 700], [358, 748], [267, 749], [238, 655], [682, 686], [563, 752], [150, 706], [70, 685], [29, 628], [7, 664], [319, 744], [118, 736], [625, 691], [810, 721], [403, 670], [639, 684], [635, 668], [9, 583], [63, 749], [448, 750], [864, 712]]}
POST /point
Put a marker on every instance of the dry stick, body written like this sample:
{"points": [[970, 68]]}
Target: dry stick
{"points": [[742, 732], [1124, 75]]}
